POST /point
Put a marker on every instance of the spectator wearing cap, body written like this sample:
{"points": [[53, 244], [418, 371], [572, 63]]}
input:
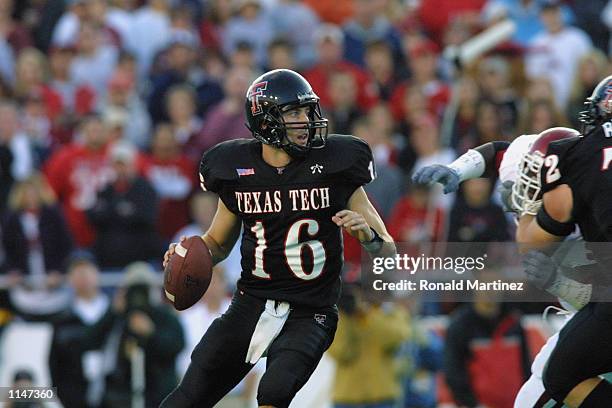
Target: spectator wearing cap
{"points": [[36, 238], [172, 175], [369, 23], [77, 172], [555, 53], [330, 45], [77, 368], [250, 24], [288, 14], [423, 63], [124, 213], [225, 120], [150, 33], [125, 109]]}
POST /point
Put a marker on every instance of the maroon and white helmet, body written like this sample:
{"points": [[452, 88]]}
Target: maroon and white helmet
{"points": [[527, 190]]}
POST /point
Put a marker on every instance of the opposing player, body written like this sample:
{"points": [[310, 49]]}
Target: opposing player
{"points": [[577, 184], [291, 188], [517, 165]]}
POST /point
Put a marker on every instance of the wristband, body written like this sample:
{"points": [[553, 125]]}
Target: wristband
{"points": [[469, 165]]}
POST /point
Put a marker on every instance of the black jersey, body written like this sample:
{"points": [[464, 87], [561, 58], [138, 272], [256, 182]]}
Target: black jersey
{"points": [[585, 164], [291, 249]]}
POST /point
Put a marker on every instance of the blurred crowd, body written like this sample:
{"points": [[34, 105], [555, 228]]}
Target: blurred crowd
{"points": [[106, 107]]}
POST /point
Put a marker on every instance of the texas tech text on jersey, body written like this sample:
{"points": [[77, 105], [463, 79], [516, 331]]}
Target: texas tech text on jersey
{"points": [[260, 202], [291, 249]]}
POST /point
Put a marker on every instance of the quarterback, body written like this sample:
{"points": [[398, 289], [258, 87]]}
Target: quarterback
{"points": [[292, 188]]}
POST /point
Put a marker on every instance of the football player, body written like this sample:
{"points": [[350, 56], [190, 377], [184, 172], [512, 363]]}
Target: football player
{"points": [[291, 188], [514, 163], [576, 185]]}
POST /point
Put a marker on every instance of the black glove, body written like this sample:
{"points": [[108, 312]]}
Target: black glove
{"points": [[438, 173], [541, 269]]}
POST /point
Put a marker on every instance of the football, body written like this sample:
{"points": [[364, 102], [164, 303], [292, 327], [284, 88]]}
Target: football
{"points": [[188, 273]]}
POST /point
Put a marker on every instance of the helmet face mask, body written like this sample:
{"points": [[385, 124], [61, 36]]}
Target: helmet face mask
{"points": [[527, 190], [272, 95], [598, 107]]}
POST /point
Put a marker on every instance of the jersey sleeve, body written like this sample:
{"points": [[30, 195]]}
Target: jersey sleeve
{"points": [[214, 169], [554, 171], [358, 165]]}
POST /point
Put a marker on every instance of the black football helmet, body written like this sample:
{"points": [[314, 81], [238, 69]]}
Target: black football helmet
{"points": [[598, 105], [275, 93]]}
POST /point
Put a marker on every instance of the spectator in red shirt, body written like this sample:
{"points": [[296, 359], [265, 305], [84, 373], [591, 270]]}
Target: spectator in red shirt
{"points": [[437, 14], [416, 218], [330, 43], [172, 176], [423, 63], [77, 172]]}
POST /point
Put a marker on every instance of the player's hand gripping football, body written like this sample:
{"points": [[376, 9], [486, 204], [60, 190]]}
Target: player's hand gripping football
{"points": [[355, 224], [170, 251]]}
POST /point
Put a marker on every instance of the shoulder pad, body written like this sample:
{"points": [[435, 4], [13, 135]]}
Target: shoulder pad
{"points": [[555, 170], [349, 157], [215, 166]]}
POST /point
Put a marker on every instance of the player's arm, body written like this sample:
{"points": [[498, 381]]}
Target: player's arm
{"points": [[478, 162], [223, 233], [220, 237], [362, 221], [552, 222]]}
